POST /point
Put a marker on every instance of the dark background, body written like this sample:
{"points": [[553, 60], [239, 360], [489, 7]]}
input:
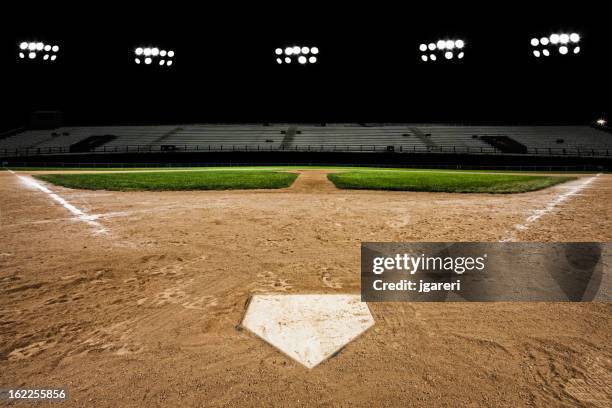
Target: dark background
{"points": [[369, 66]]}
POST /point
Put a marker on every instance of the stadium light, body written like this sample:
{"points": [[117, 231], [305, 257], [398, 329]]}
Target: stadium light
{"points": [[449, 49], [563, 42], [304, 55], [37, 51], [153, 56]]}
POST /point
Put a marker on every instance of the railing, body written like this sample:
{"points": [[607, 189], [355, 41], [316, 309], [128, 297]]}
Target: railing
{"points": [[356, 148], [12, 132]]}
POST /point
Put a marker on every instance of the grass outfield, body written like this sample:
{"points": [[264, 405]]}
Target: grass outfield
{"points": [[176, 180], [443, 181]]}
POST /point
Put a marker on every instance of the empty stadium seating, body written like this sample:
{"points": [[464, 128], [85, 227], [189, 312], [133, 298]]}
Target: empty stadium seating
{"points": [[417, 138]]}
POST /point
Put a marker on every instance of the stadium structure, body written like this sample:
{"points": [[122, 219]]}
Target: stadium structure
{"points": [[223, 209], [334, 143]]}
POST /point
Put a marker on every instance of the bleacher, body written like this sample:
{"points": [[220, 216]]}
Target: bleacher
{"points": [[573, 139], [357, 138], [405, 138]]}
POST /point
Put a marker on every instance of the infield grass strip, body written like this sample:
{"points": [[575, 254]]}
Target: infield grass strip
{"points": [[166, 181], [443, 182]]}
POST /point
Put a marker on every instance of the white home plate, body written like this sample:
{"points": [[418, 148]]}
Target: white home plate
{"points": [[308, 328]]}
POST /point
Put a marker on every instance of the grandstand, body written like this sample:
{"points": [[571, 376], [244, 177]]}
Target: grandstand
{"points": [[573, 141]]}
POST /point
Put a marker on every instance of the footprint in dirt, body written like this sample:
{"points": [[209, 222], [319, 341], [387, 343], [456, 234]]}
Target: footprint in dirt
{"points": [[270, 281], [30, 350], [329, 281], [115, 339]]}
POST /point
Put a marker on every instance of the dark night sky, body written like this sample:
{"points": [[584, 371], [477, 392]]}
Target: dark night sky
{"points": [[368, 71]]}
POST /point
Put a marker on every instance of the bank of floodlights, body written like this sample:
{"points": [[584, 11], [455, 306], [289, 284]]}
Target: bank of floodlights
{"points": [[558, 43], [37, 51], [301, 55], [153, 56], [442, 50]]}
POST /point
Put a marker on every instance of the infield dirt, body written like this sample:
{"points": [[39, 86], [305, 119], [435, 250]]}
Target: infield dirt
{"points": [[147, 313]]}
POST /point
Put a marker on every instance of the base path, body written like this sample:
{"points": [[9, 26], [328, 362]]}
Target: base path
{"points": [[313, 181]]}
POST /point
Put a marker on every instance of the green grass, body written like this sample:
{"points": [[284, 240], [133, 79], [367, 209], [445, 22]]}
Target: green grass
{"points": [[176, 180], [254, 177], [443, 181]]}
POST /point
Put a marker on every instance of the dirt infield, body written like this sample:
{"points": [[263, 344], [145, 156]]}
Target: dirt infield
{"points": [[145, 311]]}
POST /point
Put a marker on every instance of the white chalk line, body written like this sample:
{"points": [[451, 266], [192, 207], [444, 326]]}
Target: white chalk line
{"points": [[550, 206], [78, 213]]}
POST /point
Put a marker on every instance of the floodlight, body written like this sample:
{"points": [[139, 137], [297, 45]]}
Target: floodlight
{"points": [[556, 40], [36, 50], [153, 56], [299, 52], [601, 122], [441, 48], [53, 57]]}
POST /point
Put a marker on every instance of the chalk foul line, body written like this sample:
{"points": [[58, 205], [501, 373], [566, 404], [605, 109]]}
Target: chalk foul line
{"points": [[550, 206], [78, 214]]}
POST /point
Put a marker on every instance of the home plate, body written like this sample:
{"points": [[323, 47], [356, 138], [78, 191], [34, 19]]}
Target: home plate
{"points": [[308, 328]]}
